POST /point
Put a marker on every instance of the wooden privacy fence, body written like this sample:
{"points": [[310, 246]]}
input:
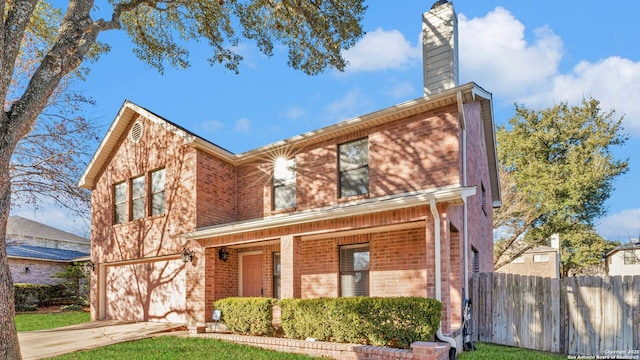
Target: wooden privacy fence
{"points": [[575, 316]]}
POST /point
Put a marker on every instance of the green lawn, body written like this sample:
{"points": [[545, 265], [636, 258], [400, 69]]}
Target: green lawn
{"points": [[171, 347], [40, 321], [499, 352]]}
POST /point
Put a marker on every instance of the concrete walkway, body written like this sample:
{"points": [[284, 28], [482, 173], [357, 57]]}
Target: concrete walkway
{"points": [[43, 344]]}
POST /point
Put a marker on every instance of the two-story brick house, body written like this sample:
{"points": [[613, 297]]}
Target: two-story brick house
{"points": [[395, 202]]}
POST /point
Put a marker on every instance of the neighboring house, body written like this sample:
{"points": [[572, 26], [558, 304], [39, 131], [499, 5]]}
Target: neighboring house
{"points": [[396, 202], [624, 260], [36, 251], [538, 261]]}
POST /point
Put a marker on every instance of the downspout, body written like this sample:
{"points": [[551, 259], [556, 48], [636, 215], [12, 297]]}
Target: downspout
{"points": [[463, 124], [438, 271]]}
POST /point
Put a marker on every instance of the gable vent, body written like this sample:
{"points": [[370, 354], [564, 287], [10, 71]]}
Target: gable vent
{"points": [[136, 132]]}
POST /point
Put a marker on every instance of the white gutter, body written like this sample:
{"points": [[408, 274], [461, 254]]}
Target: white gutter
{"points": [[454, 193], [436, 230], [465, 211]]}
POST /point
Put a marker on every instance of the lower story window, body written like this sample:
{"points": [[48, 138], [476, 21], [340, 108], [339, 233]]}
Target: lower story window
{"points": [[475, 260], [354, 270], [276, 276]]}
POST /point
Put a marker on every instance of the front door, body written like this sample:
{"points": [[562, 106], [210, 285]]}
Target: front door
{"points": [[252, 275]]}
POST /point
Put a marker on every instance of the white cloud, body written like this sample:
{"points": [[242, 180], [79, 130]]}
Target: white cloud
{"points": [[494, 53], [622, 226], [243, 126], [614, 81], [403, 90], [350, 105], [294, 113], [211, 126], [381, 49]]}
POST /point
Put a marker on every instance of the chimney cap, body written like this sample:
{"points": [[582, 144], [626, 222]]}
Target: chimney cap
{"points": [[438, 3]]}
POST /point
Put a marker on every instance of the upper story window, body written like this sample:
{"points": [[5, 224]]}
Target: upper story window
{"points": [[158, 186], [540, 257], [354, 270], [284, 184], [138, 186], [630, 257], [518, 260], [354, 168], [131, 198], [120, 203]]}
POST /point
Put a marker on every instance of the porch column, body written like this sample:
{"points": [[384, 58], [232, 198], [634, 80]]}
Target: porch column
{"points": [[195, 287], [445, 268], [290, 257]]}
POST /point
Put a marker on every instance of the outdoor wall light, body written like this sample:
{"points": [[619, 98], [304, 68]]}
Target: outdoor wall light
{"points": [[27, 270], [90, 266], [223, 254], [187, 255]]}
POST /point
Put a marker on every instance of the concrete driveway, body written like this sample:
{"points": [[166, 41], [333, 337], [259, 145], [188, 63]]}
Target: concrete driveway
{"points": [[43, 344]]}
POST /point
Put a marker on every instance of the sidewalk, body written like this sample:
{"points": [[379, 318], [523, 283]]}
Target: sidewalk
{"points": [[43, 344]]}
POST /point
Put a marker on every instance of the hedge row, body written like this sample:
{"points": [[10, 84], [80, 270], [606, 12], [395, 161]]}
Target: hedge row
{"points": [[247, 316], [28, 297], [393, 322]]}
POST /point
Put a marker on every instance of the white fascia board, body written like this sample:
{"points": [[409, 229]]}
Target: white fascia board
{"points": [[39, 259], [379, 204]]}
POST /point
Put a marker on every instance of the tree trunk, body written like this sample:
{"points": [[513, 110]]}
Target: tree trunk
{"points": [[9, 345]]}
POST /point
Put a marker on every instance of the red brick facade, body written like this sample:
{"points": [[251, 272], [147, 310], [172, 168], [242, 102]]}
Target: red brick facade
{"points": [[216, 200]]}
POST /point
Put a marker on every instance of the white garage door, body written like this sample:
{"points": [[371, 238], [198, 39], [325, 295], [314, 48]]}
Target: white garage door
{"points": [[149, 291]]}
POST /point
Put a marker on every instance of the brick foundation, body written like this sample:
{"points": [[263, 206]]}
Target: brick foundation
{"points": [[420, 350]]}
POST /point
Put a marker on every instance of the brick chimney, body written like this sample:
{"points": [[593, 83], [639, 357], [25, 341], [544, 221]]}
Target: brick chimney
{"points": [[440, 47]]}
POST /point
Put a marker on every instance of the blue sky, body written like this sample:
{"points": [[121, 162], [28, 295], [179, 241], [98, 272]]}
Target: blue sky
{"points": [[530, 52]]}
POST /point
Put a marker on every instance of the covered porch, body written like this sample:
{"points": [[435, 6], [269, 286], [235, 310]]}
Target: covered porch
{"points": [[371, 250]]}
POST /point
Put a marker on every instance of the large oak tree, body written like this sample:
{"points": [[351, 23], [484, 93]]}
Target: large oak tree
{"points": [[556, 171], [314, 31]]}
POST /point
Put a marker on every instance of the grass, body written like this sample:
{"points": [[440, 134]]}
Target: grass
{"points": [[42, 321], [163, 347], [171, 347], [499, 352]]}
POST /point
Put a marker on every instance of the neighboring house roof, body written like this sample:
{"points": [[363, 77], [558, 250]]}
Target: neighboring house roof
{"points": [[541, 249], [463, 93], [21, 227], [631, 246], [43, 253]]}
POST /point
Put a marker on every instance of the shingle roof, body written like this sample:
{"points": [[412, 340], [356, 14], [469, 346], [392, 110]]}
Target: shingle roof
{"points": [[42, 253], [19, 226], [629, 246]]}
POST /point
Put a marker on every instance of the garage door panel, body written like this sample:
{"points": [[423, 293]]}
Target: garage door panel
{"points": [[151, 291]]}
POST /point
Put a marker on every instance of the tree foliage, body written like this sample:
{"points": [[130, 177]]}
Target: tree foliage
{"points": [[557, 170], [75, 279], [315, 32], [582, 249]]}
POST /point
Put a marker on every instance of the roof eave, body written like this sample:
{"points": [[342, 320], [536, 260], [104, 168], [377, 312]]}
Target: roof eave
{"points": [[453, 194]]}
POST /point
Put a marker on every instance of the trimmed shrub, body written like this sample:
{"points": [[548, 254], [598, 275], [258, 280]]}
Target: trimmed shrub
{"points": [[27, 295], [247, 316], [25, 308], [71, 308], [394, 322]]}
